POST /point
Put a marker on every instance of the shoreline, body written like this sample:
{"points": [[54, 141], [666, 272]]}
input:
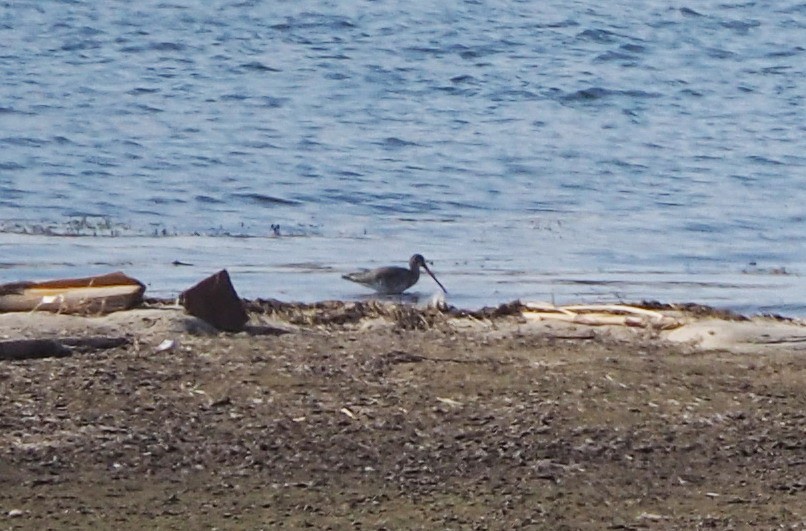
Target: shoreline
{"points": [[308, 271]]}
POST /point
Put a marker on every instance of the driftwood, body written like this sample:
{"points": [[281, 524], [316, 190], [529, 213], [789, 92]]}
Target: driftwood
{"points": [[601, 314], [25, 349], [89, 344], [91, 295]]}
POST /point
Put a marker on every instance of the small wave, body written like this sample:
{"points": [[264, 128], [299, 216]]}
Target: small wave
{"points": [[719, 53], [349, 173], [11, 193], [598, 35], [741, 26], [396, 143], [588, 94], [209, 200], [142, 90], [132, 49], [259, 67], [789, 52], [104, 162], [154, 46], [513, 95], [698, 226], [89, 44], [474, 52], [266, 199], [271, 102], [688, 12], [313, 20], [163, 200], [424, 51], [633, 48], [463, 79], [692, 92], [23, 141], [614, 56], [149, 109], [567, 23], [456, 91], [764, 160], [776, 70], [167, 46], [598, 93]]}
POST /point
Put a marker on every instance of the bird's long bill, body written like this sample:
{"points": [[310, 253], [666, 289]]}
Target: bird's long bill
{"points": [[435, 278]]}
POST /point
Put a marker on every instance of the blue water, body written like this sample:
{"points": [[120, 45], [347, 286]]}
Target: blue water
{"points": [[566, 151]]}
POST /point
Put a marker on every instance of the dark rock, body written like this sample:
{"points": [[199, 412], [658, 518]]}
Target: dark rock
{"points": [[89, 344], [215, 301]]}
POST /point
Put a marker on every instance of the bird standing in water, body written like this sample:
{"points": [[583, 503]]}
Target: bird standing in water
{"points": [[393, 280]]}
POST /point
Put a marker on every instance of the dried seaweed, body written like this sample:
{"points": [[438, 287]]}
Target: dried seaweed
{"points": [[338, 313]]}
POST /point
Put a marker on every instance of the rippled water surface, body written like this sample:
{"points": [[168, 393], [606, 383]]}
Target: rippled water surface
{"points": [[551, 150]]}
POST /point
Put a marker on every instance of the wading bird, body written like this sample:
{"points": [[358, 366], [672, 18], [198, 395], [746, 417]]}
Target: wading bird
{"points": [[393, 280]]}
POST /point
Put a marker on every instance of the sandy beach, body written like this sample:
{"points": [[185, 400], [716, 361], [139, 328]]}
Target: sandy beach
{"points": [[376, 416]]}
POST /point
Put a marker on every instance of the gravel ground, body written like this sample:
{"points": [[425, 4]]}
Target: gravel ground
{"points": [[404, 422]]}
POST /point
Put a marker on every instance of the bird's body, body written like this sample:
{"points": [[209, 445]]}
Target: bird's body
{"points": [[393, 280]]}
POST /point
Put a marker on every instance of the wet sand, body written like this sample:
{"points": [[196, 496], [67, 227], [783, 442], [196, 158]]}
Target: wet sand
{"points": [[340, 416]]}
